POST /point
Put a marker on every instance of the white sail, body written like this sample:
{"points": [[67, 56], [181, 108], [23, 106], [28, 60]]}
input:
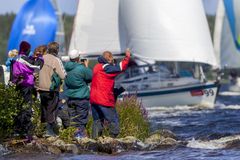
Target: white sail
{"points": [[227, 53], [168, 30], [96, 27], [163, 30]]}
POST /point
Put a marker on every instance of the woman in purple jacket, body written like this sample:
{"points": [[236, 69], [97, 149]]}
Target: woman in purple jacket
{"points": [[22, 75]]}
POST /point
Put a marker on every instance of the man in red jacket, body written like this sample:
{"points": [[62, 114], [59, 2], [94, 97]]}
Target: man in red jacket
{"points": [[102, 97]]}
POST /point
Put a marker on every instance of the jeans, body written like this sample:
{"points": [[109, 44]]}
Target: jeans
{"points": [[101, 113], [78, 111]]}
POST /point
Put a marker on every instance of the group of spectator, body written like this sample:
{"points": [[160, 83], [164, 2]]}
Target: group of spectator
{"points": [[65, 87]]}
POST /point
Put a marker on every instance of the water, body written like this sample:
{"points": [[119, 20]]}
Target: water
{"points": [[212, 134]]}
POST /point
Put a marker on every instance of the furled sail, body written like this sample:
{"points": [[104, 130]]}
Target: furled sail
{"points": [[227, 33], [96, 27], [36, 23]]}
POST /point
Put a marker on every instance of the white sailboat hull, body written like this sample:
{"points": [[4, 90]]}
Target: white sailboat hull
{"points": [[199, 94]]}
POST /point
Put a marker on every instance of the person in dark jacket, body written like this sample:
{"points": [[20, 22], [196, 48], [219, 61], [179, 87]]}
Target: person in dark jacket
{"points": [[23, 68], [78, 77], [102, 97]]}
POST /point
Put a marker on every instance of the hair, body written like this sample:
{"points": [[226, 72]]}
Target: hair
{"points": [[108, 56], [24, 48], [40, 50], [53, 48], [12, 53]]}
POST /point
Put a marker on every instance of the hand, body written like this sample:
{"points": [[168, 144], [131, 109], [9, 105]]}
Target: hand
{"points": [[86, 62], [128, 52]]}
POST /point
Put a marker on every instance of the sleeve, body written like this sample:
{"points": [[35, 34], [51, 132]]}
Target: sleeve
{"points": [[30, 63], [60, 69], [122, 66], [88, 75]]}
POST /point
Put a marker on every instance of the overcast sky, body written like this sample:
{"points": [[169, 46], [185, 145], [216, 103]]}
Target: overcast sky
{"points": [[70, 6], [67, 6]]}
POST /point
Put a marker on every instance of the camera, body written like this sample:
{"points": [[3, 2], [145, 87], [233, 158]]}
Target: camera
{"points": [[83, 60]]}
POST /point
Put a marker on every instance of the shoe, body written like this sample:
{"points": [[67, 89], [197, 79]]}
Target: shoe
{"points": [[49, 131], [79, 135]]}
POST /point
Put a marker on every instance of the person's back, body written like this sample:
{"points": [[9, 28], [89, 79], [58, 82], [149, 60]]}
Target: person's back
{"points": [[102, 86], [51, 62], [78, 77], [102, 96], [77, 80], [49, 98]]}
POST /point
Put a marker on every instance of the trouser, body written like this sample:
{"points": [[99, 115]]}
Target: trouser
{"points": [[63, 114], [26, 92], [49, 102], [23, 121], [78, 111], [101, 113]]}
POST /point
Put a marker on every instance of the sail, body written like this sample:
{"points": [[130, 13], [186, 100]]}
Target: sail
{"points": [[167, 30], [227, 34], [96, 27], [36, 23]]}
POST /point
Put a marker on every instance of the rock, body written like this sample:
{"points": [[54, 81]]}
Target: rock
{"points": [[52, 139], [108, 145], [59, 143], [88, 144], [233, 144], [131, 143], [72, 148], [161, 139], [54, 150], [3, 150], [165, 133]]}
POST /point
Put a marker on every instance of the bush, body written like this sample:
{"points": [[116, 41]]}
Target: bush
{"points": [[133, 118], [133, 121], [10, 105]]}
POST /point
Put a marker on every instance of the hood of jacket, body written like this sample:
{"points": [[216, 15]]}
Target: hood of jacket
{"points": [[70, 65], [102, 60]]}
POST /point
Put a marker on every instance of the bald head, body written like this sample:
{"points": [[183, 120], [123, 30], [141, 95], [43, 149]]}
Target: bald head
{"points": [[108, 56]]}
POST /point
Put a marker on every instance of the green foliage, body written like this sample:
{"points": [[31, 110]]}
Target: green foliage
{"points": [[10, 106], [39, 128], [67, 134], [5, 23], [133, 121], [133, 118]]}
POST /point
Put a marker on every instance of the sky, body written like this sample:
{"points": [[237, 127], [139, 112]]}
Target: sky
{"points": [[70, 6], [66, 6]]}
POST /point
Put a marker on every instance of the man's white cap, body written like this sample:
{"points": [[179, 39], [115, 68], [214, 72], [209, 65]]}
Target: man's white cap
{"points": [[73, 54]]}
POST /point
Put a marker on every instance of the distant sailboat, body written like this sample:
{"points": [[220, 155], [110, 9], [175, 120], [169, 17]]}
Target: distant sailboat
{"points": [[36, 23], [227, 40], [154, 30]]}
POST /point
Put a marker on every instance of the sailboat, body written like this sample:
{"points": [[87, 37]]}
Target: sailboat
{"points": [[36, 23], [155, 31], [227, 42]]}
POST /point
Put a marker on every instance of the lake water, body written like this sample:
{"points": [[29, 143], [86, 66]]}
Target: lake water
{"points": [[206, 131]]}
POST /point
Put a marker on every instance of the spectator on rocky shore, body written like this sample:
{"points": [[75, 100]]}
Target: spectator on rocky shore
{"points": [[102, 96], [50, 77], [77, 91]]}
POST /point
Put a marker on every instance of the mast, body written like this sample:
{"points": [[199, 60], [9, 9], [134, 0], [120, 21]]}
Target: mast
{"points": [[60, 34]]}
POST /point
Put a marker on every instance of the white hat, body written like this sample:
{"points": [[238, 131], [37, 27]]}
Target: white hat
{"points": [[73, 54]]}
